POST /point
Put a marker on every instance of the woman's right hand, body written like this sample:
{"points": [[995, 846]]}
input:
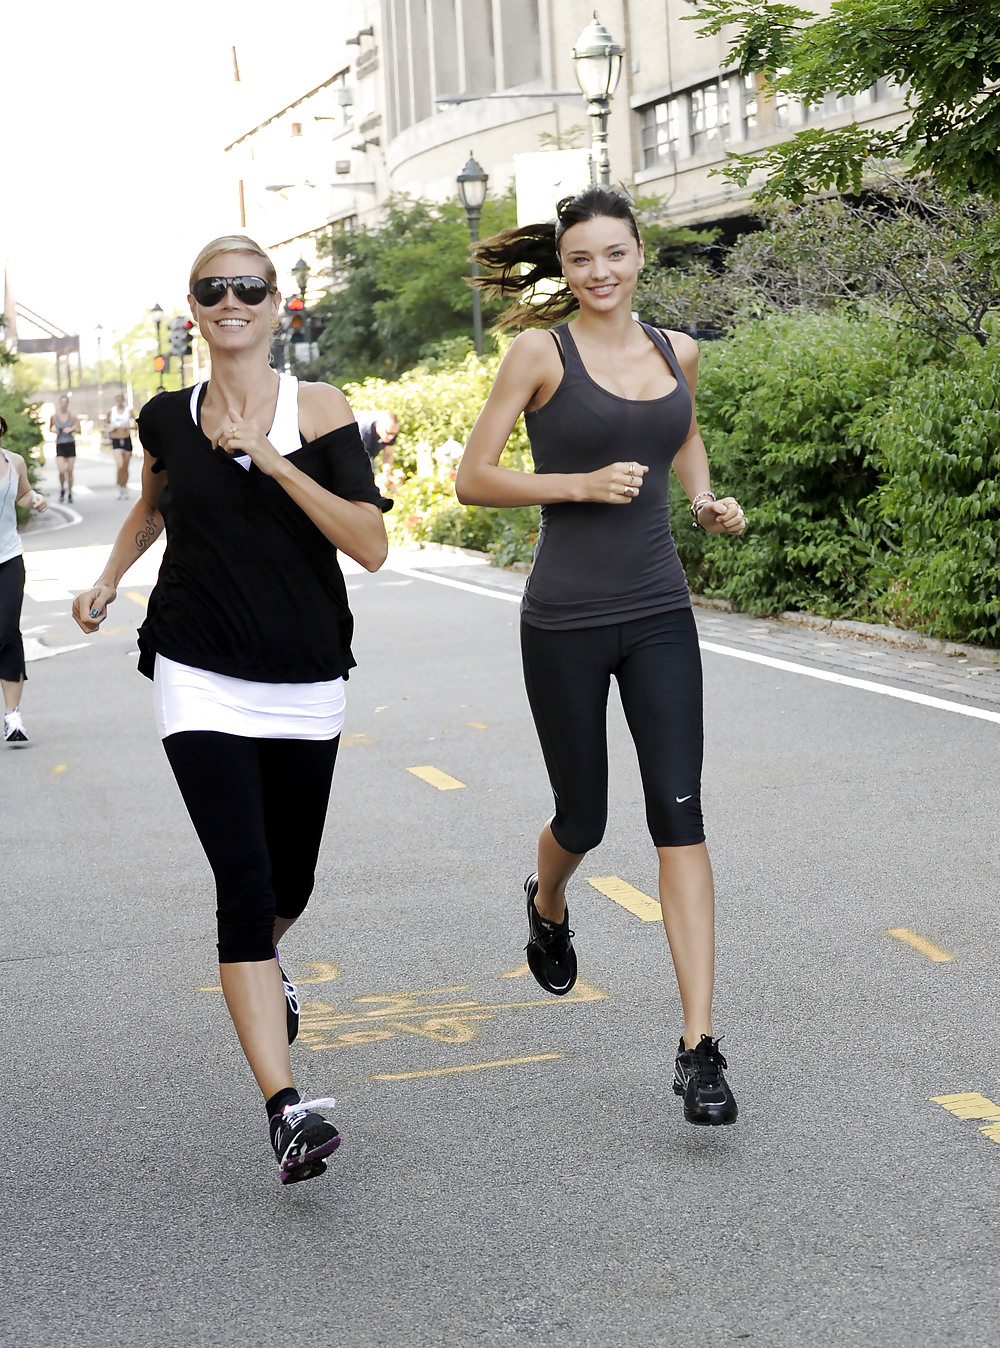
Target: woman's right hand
{"points": [[618, 484], [91, 608]]}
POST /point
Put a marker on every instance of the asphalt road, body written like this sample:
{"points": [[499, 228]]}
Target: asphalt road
{"points": [[515, 1168]]}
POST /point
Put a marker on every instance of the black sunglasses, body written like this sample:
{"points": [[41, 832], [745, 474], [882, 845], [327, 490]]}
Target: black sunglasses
{"points": [[209, 290]]}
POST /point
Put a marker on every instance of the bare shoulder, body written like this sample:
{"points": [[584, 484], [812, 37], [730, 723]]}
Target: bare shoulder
{"points": [[322, 408], [684, 344]]}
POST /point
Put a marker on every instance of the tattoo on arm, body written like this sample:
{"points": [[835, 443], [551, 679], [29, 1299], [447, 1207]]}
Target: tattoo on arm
{"points": [[146, 535]]}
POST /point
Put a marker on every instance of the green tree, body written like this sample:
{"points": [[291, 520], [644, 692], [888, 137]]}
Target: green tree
{"points": [[23, 430], [944, 53], [907, 253], [400, 289]]}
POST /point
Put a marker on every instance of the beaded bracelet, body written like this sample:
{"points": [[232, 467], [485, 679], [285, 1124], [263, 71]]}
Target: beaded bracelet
{"points": [[701, 497]]}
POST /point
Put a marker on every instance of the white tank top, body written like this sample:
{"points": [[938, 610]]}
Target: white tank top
{"points": [[186, 698], [119, 420]]}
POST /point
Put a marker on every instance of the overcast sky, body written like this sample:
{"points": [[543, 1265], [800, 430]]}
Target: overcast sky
{"points": [[115, 115]]}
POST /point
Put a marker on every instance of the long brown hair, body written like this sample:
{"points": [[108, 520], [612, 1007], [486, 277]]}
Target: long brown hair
{"points": [[521, 258]]}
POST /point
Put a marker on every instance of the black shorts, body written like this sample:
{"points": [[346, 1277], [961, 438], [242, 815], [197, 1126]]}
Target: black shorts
{"points": [[122, 446], [67, 450]]}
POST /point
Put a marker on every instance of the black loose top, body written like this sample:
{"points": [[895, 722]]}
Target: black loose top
{"points": [[598, 564], [248, 586]]}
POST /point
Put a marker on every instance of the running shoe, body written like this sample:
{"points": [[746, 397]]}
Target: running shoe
{"points": [[551, 957], [13, 728], [291, 1003], [301, 1138], [699, 1077], [62, 495]]}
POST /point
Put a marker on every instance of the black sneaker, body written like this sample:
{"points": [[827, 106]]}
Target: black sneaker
{"points": [[699, 1077], [551, 957], [301, 1138], [291, 1003]]}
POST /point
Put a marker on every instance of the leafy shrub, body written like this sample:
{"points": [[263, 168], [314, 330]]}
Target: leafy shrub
{"points": [[435, 403], [785, 407], [939, 437]]}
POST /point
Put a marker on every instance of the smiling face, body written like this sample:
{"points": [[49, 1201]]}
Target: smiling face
{"points": [[601, 262], [232, 325]]}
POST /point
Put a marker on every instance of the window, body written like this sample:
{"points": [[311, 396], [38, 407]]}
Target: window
{"points": [[709, 107], [659, 132], [749, 102], [296, 128]]}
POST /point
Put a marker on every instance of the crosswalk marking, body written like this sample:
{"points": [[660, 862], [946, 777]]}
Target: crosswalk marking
{"points": [[628, 896], [435, 777]]}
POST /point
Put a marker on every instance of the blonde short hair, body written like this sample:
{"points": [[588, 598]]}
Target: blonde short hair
{"points": [[234, 243]]}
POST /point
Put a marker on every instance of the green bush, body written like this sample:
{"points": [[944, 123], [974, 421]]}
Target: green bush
{"points": [[785, 407], [435, 403], [939, 437]]}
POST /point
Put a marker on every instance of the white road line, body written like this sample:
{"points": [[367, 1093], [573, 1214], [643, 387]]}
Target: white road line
{"points": [[866, 685], [789, 666]]}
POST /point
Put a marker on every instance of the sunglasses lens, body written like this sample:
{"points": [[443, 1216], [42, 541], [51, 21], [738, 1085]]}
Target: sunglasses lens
{"points": [[249, 289], [209, 290]]}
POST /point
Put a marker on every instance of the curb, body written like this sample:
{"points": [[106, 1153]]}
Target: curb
{"points": [[838, 627]]}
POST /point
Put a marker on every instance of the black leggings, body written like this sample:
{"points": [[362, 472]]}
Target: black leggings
{"points": [[567, 675], [11, 599], [258, 807]]}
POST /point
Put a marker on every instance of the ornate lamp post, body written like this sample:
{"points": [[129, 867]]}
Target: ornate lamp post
{"points": [[597, 60], [472, 184], [98, 333], [301, 273]]}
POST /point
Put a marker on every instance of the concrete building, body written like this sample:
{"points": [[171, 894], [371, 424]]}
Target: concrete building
{"points": [[384, 121]]}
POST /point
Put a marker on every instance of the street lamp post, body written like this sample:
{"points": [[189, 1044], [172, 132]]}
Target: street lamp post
{"points": [[98, 333], [472, 183], [157, 316], [301, 273], [597, 60]]}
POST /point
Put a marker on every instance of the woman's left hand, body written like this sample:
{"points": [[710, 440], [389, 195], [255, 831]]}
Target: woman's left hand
{"points": [[39, 503], [246, 437], [722, 517]]}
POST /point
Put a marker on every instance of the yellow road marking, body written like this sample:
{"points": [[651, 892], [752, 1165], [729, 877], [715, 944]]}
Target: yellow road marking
{"points": [[470, 1067], [520, 972], [325, 973], [358, 737], [973, 1105], [435, 777], [478, 725], [60, 767], [918, 942], [633, 899], [969, 1105], [137, 598]]}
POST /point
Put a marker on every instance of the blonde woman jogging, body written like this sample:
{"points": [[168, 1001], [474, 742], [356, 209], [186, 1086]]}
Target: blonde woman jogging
{"points": [[259, 481]]}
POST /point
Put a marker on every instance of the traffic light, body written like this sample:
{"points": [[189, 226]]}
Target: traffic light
{"points": [[161, 364], [295, 318], [188, 336], [180, 341]]}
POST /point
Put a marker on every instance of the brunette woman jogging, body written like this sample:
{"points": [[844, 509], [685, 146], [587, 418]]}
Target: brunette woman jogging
{"points": [[609, 405], [258, 480]]}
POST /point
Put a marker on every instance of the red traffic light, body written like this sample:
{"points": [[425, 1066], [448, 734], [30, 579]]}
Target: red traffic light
{"points": [[188, 325], [159, 364], [295, 303]]}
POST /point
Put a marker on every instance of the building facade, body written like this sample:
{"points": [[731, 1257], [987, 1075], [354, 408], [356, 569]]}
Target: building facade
{"points": [[418, 85]]}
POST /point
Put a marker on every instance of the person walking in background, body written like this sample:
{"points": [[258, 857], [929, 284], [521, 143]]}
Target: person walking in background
{"points": [[120, 421], [378, 435], [258, 480], [14, 488], [609, 405], [66, 427]]}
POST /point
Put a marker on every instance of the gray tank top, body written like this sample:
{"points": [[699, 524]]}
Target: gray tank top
{"points": [[599, 564], [10, 539], [64, 428]]}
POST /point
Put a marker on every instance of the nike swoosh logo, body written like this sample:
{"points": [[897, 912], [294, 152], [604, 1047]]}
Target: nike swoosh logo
{"points": [[681, 799]]}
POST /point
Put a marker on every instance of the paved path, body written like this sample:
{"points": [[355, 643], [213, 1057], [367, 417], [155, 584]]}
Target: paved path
{"points": [[515, 1169]]}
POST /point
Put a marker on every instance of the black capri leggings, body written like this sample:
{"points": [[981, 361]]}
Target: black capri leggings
{"points": [[11, 599], [657, 663], [258, 807]]}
